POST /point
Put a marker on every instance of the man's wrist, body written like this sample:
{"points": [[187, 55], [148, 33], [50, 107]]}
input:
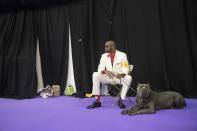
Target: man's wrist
{"points": [[123, 75], [103, 72]]}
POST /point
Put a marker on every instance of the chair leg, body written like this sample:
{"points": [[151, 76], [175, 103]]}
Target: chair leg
{"points": [[129, 99], [116, 99]]}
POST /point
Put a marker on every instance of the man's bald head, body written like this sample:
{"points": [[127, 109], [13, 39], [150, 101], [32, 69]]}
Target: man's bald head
{"points": [[110, 46]]}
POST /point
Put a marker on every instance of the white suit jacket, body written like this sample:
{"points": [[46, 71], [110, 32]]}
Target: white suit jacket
{"points": [[120, 64]]}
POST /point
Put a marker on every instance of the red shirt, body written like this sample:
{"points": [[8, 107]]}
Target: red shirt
{"points": [[112, 55]]}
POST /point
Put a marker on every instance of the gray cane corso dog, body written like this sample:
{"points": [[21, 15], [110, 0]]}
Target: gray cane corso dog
{"points": [[148, 101]]}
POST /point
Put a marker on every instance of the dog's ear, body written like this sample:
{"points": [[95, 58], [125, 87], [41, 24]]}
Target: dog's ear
{"points": [[149, 85]]}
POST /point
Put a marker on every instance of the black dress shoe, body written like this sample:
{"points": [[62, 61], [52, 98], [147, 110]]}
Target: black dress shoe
{"points": [[94, 105], [121, 105]]}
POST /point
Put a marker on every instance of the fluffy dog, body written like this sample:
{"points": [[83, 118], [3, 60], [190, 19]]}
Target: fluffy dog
{"points": [[49, 91], [148, 101]]}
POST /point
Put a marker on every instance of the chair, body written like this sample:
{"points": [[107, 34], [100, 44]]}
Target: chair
{"points": [[116, 88]]}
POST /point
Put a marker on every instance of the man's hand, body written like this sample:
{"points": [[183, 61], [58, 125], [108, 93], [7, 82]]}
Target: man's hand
{"points": [[110, 74], [119, 76]]}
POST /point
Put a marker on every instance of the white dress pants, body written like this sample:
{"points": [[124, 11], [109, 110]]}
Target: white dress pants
{"points": [[99, 78]]}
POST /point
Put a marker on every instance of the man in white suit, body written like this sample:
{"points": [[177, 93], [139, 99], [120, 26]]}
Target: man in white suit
{"points": [[113, 68]]}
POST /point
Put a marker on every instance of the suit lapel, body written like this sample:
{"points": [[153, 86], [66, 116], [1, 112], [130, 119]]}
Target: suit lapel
{"points": [[116, 57], [109, 65]]}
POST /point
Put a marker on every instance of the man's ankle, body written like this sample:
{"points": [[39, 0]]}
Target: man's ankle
{"points": [[121, 104], [98, 98]]}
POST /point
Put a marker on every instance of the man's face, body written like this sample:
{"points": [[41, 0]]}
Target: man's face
{"points": [[109, 46]]}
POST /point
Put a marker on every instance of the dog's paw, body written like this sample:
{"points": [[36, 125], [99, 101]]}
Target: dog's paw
{"points": [[124, 112], [132, 113]]}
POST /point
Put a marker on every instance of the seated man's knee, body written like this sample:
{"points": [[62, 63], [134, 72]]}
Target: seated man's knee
{"points": [[128, 78], [96, 75]]}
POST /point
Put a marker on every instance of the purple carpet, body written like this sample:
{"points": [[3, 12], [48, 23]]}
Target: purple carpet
{"points": [[70, 114]]}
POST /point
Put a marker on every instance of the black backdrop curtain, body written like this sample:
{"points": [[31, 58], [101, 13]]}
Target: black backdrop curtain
{"points": [[83, 60], [179, 45], [17, 55], [19, 33], [52, 28], [158, 36]]}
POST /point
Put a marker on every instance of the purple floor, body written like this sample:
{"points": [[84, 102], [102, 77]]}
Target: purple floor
{"points": [[70, 114]]}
